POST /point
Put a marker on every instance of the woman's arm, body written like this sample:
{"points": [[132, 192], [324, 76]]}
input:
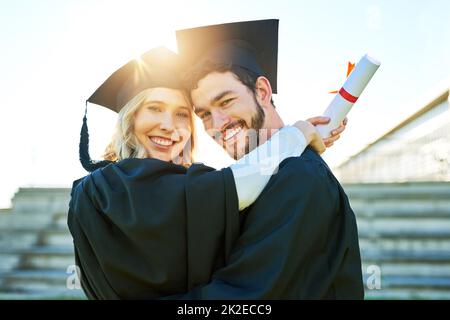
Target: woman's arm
{"points": [[253, 171]]}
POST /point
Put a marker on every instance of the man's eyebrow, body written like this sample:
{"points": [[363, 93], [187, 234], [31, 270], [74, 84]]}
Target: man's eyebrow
{"points": [[220, 96]]}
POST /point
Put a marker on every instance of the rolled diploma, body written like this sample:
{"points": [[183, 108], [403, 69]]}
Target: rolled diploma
{"points": [[349, 93]]}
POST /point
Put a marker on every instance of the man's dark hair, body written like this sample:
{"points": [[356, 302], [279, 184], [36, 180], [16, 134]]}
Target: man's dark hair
{"points": [[194, 75]]}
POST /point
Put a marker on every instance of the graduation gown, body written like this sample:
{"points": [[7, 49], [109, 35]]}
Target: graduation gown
{"points": [[145, 228], [299, 241]]}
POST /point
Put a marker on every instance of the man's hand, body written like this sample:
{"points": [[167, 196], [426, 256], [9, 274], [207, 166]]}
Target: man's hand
{"points": [[335, 134]]}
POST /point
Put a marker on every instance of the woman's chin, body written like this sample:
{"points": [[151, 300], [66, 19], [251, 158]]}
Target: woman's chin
{"points": [[166, 159], [163, 156]]}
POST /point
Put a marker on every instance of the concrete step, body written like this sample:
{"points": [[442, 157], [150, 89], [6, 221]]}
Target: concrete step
{"points": [[410, 242], [48, 294], [404, 226], [407, 294], [55, 236], [36, 281], [30, 200], [407, 209], [416, 282], [60, 219], [17, 239], [47, 257], [413, 269], [407, 234], [8, 261], [21, 220], [25, 237], [410, 287], [399, 191], [378, 257]]}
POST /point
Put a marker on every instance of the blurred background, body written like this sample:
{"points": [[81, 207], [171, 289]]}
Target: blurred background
{"points": [[393, 159]]}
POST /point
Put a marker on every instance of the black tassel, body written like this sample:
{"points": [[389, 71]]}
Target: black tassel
{"points": [[85, 158]]}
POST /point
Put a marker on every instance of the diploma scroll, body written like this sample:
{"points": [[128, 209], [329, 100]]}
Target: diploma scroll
{"points": [[353, 87]]}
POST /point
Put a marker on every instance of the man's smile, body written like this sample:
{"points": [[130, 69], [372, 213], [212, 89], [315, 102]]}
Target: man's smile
{"points": [[232, 130]]}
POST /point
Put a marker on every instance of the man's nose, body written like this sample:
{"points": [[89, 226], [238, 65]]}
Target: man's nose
{"points": [[219, 120]]}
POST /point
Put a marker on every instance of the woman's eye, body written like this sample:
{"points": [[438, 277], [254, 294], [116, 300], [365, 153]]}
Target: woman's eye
{"points": [[153, 108], [183, 114]]}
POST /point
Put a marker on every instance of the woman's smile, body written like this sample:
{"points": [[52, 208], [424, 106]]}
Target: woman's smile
{"points": [[162, 143]]}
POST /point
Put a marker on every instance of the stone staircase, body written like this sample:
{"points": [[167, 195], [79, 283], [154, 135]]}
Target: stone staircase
{"points": [[404, 237], [404, 230], [36, 247]]}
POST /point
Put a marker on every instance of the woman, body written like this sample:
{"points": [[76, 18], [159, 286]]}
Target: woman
{"points": [[147, 222]]}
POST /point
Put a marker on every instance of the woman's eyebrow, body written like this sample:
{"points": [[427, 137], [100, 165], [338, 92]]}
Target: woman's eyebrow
{"points": [[155, 102]]}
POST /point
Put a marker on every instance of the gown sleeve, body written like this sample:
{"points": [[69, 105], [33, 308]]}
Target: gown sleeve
{"points": [[252, 172]]}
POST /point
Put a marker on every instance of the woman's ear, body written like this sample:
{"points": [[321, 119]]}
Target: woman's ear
{"points": [[263, 91]]}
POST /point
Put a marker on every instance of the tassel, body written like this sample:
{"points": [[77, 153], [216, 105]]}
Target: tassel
{"points": [[85, 158]]}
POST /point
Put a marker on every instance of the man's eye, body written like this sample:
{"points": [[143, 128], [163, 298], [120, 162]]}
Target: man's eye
{"points": [[226, 102]]}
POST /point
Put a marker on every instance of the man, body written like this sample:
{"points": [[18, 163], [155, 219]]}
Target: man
{"points": [[299, 239]]}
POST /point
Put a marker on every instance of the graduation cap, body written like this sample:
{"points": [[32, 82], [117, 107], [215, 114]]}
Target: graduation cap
{"points": [[252, 45], [158, 67]]}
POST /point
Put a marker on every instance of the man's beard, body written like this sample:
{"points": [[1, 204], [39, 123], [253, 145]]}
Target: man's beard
{"points": [[257, 121], [256, 124]]}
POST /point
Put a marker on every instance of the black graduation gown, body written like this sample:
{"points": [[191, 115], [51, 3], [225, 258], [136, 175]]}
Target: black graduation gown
{"points": [[299, 241], [145, 228]]}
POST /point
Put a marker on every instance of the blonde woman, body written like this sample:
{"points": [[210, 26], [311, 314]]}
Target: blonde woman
{"points": [[147, 222]]}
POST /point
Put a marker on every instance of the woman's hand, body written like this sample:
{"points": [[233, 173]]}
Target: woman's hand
{"points": [[335, 134], [312, 136]]}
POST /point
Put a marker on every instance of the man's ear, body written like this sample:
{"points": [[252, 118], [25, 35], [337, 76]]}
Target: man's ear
{"points": [[263, 91]]}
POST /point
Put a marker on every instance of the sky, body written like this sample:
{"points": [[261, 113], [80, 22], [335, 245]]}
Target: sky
{"points": [[54, 54]]}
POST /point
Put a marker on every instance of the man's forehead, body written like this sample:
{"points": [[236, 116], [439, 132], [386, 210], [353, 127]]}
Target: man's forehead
{"points": [[213, 85]]}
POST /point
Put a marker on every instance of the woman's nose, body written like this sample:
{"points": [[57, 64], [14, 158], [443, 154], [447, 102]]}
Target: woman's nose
{"points": [[167, 123]]}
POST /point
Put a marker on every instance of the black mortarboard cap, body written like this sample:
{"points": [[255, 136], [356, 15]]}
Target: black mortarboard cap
{"points": [[252, 45], [158, 67]]}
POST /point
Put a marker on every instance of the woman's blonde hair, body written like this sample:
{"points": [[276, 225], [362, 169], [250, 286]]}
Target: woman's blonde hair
{"points": [[124, 143]]}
